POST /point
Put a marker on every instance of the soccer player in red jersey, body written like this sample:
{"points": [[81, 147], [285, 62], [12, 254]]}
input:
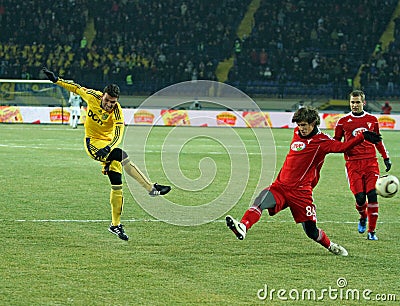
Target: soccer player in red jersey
{"points": [[361, 163], [298, 176]]}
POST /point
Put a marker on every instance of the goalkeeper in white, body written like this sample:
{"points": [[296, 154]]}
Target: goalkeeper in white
{"points": [[75, 107]]}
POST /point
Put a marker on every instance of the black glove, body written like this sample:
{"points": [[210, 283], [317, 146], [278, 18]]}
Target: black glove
{"points": [[388, 164], [50, 75], [372, 137], [101, 153]]}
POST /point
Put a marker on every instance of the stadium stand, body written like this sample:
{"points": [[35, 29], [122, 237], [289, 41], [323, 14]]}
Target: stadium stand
{"points": [[34, 33], [311, 48], [291, 49]]}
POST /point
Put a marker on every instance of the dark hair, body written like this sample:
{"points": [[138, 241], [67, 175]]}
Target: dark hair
{"points": [[112, 90], [358, 93], [306, 114]]}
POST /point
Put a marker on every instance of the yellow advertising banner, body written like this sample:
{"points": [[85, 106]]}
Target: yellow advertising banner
{"points": [[10, 114], [172, 117]]}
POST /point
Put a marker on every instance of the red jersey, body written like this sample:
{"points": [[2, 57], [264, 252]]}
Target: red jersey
{"points": [[350, 126], [306, 156]]}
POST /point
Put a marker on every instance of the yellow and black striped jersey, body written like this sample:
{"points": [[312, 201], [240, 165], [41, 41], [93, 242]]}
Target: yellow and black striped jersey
{"points": [[99, 123]]}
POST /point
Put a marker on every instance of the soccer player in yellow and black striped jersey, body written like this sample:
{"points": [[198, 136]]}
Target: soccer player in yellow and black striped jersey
{"points": [[104, 128]]}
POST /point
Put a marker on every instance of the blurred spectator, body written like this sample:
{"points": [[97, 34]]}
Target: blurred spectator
{"points": [[83, 42], [386, 108], [2, 11], [318, 44]]}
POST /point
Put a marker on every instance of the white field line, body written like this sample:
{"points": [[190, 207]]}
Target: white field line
{"points": [[164, 152], [40, 146], [147, 151], [166, 221], [169, 146], [43, 127]]}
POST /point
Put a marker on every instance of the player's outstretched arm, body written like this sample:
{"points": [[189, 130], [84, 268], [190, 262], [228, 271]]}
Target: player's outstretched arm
{"points": [[68, 85], [50, 75], [336, 146]]}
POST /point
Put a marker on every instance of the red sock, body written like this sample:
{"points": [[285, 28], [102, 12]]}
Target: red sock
{"points": [[323, 239], [362, 210], [251, 216], [372, 216]]}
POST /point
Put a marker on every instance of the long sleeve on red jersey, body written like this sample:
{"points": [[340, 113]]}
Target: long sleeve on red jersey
{"points": [[382, 150], [336, 146], [339, 132], [380, 145]]}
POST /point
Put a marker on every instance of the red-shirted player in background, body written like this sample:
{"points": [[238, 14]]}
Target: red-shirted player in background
{"points": [[298, 176], [362, 166]]}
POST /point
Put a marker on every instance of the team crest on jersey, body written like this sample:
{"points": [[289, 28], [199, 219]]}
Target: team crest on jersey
{"points": [[297, 146], [104, 116], [358, 131]]}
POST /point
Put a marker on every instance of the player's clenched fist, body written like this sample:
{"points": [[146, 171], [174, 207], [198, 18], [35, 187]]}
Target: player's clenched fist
{"points": [[50, 75], [372, 137], [102, 153]]}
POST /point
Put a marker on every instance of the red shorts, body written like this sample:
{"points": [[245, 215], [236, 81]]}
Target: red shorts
{"points": [[300, 202], [362, 174]]}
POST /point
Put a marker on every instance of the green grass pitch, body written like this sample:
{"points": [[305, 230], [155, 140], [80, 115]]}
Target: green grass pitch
{"points": [[56, 250]]}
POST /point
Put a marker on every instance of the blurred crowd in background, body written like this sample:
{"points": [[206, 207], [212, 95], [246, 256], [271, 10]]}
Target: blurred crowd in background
{"points": [[296, 46]]}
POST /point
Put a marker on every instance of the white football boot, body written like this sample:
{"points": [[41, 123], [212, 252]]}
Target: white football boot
{"points": [[238, 228], [337, 249]]}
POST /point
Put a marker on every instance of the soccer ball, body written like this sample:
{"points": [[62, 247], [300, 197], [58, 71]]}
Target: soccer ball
{"points": [[387, 186]]}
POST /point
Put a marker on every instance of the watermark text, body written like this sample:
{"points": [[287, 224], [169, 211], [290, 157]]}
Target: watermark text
{"points": [[340, 291]]}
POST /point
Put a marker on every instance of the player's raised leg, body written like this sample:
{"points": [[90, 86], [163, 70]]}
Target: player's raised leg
{"points": [[250, 217], [153, 189], [265, 200]]}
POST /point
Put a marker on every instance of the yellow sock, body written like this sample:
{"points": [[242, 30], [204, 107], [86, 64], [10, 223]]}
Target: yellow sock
{"points": [[132, 170], [116, 201]]}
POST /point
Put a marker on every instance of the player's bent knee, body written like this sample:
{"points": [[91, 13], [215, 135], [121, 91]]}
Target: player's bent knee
{"points": [[265, 200], [372, 196], [115, 178], [311, 230], [360, 198]]}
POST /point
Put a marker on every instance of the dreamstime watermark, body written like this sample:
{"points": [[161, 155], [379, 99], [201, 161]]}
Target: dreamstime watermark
{"points": [[341, 291], [195, 160]]}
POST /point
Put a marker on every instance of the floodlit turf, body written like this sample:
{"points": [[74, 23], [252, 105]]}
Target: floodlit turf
{"points": [[56, 250]]}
